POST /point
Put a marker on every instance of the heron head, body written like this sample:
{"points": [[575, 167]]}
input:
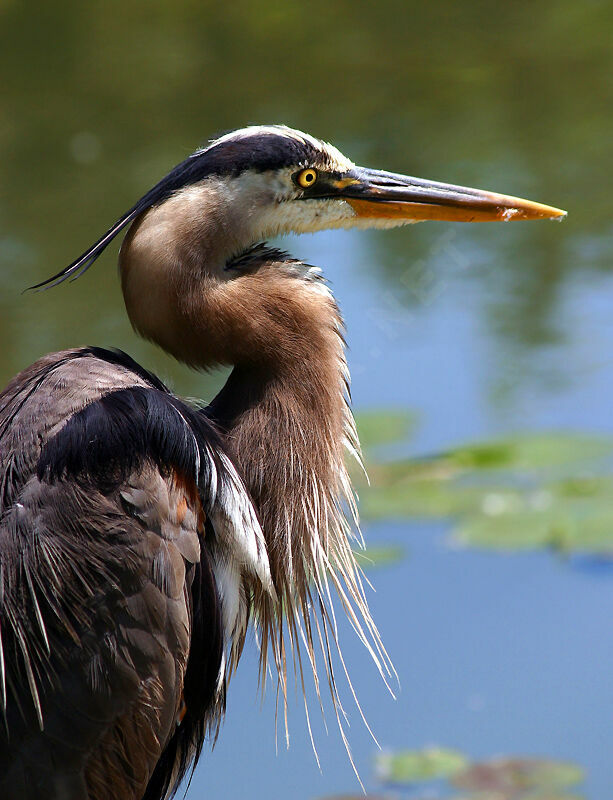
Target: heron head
{"points": [[268, 180], [264, 181], [281, 180]]}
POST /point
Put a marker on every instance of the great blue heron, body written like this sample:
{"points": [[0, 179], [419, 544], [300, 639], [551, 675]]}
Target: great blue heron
{"points": [[138, 534]]}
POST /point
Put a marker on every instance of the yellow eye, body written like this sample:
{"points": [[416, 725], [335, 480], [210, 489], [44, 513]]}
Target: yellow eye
{"points": [[306, 178]]}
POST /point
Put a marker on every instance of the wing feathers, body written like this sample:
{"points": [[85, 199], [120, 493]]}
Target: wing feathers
{"points": [[107, 439], [129, 541]]}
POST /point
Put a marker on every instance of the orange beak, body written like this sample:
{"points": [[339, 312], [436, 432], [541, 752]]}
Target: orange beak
{"points": [[384, 195]]}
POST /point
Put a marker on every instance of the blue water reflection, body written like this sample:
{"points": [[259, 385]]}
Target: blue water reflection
{"points": [[481, 330], [496, 654]]}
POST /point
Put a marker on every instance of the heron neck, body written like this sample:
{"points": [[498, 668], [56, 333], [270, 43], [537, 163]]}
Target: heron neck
{"points": [[286, 425]]}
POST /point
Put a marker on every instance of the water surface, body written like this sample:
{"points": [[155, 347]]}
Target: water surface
{"points": [[479, 329]]}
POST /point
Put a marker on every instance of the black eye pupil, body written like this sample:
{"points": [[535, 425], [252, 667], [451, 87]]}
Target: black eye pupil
{"points": [[306, 177]]}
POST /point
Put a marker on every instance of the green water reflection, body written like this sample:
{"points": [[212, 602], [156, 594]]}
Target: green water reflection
{"points": [[96, 105], [524, 492], [98, 100]]}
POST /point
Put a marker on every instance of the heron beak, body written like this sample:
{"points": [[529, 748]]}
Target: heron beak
{"points": [[384, 195]]}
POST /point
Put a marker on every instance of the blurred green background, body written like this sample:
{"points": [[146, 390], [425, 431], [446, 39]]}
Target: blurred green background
{"points": [[475, 331]]}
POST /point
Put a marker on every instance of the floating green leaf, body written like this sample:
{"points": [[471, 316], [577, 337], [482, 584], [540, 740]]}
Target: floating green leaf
{"points": [[507, 778], [413, 766], [550, 490], [518, 777], [419, 498], [546, 794], [377, 428], [529, 452], [379, 556], [562, 528]]}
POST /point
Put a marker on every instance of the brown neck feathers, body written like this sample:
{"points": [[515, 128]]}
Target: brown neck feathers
{"points": [[286, 421]]}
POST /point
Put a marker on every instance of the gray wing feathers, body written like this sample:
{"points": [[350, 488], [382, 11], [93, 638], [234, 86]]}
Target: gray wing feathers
{"points": [[95, 612], [129, 609]]}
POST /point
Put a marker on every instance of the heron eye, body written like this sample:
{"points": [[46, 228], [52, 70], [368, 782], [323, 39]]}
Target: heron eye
{"points": [[306, 178]]}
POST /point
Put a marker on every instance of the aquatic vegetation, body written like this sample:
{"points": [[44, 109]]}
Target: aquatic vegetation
{"points": [[525, 491], [380, 556], [416, 766], [439, 774]]}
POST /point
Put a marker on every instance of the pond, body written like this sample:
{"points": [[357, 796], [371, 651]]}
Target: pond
{"points": [[478, 334]]}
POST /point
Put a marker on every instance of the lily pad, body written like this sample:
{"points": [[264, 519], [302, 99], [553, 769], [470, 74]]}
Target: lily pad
{"points": [[518, 777], [547, 794], [565, 529], [379, 556], [418, 498], [529, 452], [414, 766], [505, 778], [377, 428], [536, 491]]}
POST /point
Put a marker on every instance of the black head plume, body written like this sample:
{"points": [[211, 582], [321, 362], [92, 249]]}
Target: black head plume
{"points": [[188, 171], [259, 148]]}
